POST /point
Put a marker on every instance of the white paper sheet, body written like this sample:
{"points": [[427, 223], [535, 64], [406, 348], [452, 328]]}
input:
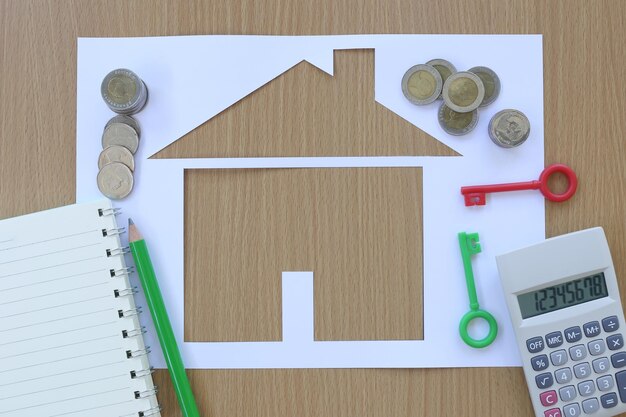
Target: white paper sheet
{"points": [[191, 79]]}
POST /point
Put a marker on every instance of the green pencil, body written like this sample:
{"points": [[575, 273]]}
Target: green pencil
{"points": [[164, 331]]}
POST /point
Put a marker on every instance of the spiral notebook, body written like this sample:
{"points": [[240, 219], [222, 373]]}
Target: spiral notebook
{"points": [[70, 341]]}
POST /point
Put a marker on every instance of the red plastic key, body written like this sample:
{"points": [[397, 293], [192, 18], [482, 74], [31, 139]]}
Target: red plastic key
{"points": [[475, 195]]}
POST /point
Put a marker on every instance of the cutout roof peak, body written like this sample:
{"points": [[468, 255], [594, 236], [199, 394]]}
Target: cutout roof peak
{"points": [[301, 117]]}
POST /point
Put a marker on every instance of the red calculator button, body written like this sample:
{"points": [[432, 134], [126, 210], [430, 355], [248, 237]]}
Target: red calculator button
{"points": [[554, 412], [548, 398]]}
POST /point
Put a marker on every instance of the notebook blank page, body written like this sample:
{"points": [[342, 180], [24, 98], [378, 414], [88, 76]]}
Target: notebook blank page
{"points": [[62, 349]]}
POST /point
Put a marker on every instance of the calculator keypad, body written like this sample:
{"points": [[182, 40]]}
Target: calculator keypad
{"points": [[581, 373]]}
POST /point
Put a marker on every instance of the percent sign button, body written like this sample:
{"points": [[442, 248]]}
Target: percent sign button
{"points": [[539, 362]]}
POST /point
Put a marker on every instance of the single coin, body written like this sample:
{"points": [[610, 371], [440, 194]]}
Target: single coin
{"points": [[123, 91], [122, 118], [445, 68], [456, 123], [116, 153], [509, 128], [421, 84], [491, 81], [463, 92], [120, 134], [115, 180]]}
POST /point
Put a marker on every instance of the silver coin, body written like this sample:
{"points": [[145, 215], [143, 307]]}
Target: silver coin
{"points": [[421, 84], [445, 68], [509, 128], [122, 118], [123, 91], [116, 153], [491, 81], [115, 180], [456, 123], [120, 134], [463, 92]]}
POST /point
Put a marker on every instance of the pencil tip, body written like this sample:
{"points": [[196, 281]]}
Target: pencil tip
{"points": [[130, 221]]}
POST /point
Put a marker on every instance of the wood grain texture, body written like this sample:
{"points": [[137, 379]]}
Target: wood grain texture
{"points": [[585, 127], [358, 229]]}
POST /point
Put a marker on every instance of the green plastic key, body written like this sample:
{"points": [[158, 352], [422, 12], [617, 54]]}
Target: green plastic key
{"points": [[470, 246]]}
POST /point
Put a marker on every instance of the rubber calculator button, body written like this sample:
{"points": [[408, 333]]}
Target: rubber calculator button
{"points": [[596, 347], [615, 342], [539, 362], [582, 370], [553, 412], [601, 365], [573, 334], [609, 400], [548, 398], [591, 405], [558, 357], [567, 393], [591, 329], [554, 339], [535, 344], [618, 360], [620, 379], [572, 410], [610, 324], [605, 383], [563, 375], [578, 352], [586, 388], [544, 380]]}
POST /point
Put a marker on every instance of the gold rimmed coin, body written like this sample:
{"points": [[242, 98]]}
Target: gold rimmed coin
{"points": [[491, 81], [443, 67], [456, 123], [463, 92], [123, 91], [509, 128], [421, 84]]}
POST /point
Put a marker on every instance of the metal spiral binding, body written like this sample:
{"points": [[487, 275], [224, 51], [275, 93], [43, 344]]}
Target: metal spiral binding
{"points": [[148, 393], [134, 333], [121, 272], [114, 211], [151, 412], [137, 353], [141, 373], [129, 313], [125, 292], [113, 232], [118, 251]]}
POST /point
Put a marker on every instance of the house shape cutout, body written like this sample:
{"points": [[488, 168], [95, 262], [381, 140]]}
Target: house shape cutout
{"points": [[308, 113]]}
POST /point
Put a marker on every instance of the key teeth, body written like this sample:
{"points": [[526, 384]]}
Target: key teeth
{"points": [[473, 243], [475, 199]]}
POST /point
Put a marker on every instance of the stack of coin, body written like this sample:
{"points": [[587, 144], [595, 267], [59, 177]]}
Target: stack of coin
{"points": [[116, 162], [462, 92], [509, 128], [123, 91]]}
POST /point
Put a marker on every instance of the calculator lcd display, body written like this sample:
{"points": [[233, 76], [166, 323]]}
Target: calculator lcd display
{"points": [[562, 295]]}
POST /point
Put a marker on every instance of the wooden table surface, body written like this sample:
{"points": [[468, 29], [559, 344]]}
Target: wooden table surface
{"points": [[585, 127]]}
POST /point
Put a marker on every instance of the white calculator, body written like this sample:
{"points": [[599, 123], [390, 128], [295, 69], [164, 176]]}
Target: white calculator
{"points": [[565, 307]]}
